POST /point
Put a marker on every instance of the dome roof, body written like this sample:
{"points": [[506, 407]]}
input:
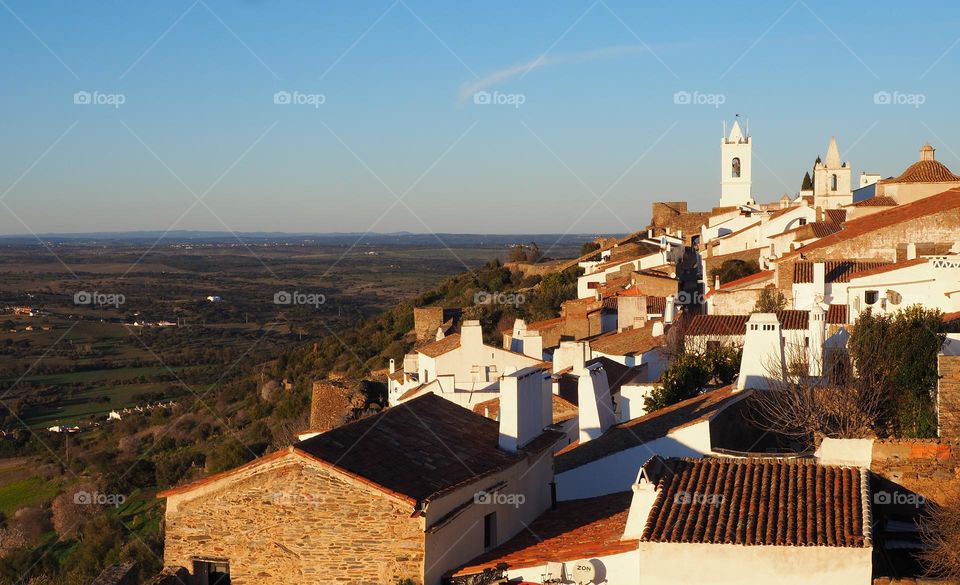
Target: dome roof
{"points": [[926, 171]]}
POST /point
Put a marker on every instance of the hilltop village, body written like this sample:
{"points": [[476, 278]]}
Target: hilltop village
{"points": [[724, 401]]}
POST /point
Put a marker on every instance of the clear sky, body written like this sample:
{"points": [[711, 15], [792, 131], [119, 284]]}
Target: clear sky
{"points": [[586, 108]]}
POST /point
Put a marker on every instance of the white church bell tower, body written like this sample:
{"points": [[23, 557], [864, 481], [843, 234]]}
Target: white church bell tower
{"points": [[735, 167]]}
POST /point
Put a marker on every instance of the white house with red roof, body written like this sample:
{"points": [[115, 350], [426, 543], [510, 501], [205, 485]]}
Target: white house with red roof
{"points": [[459, 367], [932, 282]]}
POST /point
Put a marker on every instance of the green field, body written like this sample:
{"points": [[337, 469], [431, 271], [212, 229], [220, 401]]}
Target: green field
{"points": [[30, 491]]}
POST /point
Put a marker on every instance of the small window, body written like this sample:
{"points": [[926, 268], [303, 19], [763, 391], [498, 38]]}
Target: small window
{"points": [[490, 530], [803, 221], [210, 572], [426, 376], [735, 168], [833, 182], [870, 297]]}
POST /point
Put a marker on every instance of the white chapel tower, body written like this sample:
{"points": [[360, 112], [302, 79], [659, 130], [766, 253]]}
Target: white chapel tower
{"points": [[831, 180], [735, 167]]}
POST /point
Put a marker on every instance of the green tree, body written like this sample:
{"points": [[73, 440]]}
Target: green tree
{"points": [[898, 353], [770, 300], [686, 375], [731, 270]]}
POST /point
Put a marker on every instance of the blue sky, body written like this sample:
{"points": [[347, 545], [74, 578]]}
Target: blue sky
{"points": [[398, 119]]}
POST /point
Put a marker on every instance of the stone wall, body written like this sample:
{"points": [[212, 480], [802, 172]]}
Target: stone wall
{"points": [[290, 520], [711, 262], [673, 216], [948, 396], [426, 321], [928, 467], [121, 574]]}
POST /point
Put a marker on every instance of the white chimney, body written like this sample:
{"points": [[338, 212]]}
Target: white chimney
{"points": [[471, 334], [644, 497], [523, 396], [763, 359], [819, 279], [393, 366], [817, 328], [911, 251], [668, 310], [594, 405], [570, 354]]}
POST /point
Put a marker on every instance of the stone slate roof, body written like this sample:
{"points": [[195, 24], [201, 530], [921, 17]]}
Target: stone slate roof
{"points": [[420, 448], [760, 501], [577, 529], [648, 427], [628, 342], [836, 270], [440, 346]]}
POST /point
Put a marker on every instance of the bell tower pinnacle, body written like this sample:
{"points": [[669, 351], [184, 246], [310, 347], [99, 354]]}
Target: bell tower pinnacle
{"points": [[735, 167]]}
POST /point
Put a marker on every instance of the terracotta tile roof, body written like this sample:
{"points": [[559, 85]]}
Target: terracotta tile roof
{"points": [[648, 427], [946, 201], [563, 410], [440, 346], [876, 202], [411, 392], [948, 317], [628, 342], [397, 376], [836, 270], [717, 325], [760, 501], [793, 319], [818, 229], [835, 215], [420, 448], [545, 324], [577, 529], [762, 275], [925, 171], [837, 315], [888, 267]]}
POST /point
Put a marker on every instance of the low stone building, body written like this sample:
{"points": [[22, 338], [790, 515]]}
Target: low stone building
{"points": [[390, 497]]}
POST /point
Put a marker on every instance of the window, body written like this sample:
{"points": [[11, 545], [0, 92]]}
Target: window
{"points": [[803, 221], [894, 298], [713, 345], [490, 531], [833, 182], [735, 167], [870, 297], [426, 376], [211, 572]]}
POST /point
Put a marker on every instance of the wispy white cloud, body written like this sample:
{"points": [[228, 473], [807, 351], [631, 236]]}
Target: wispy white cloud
{"points": [[502, 75]]}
